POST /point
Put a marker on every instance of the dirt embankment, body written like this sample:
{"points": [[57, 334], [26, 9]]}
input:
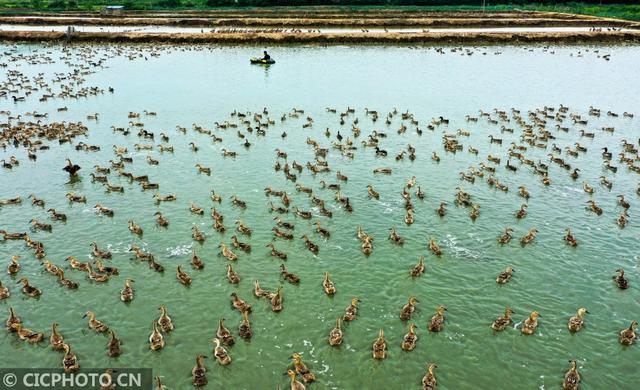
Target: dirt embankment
{"points": [[328, 39]]}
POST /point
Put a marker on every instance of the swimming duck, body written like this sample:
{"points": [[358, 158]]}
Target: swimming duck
{"points": [[522, 212], [232, 275], [569, 239], [276, 300], [429, 381], [327, 285], [126, 295], [4, 291], [244, 330], [165, 322], [203, 169], [335, 336], [410, 339], [284, 224], [441, 210], [295, 384], [530, 325], [622, 219], [223, 333], [418, 269], [242, 228], [100, 253], [75, 264], [289, 277], [199, 372], [71, 168], [156, 339], [351, 311], [70, 284], [628, 336], [56, 340], [103, 210], [522, 191], [623, 203], [587, 188], [505, 276], [226, 252], [195, 209], [69, 361], [94, 324], [197, 234], [221, 354], [161, 220], [571, 378], [593, 207], [106, 269], [395, 237], [323, 232], [419, 193], [302, 370], [113, 347], [620, 280], [57, 216], [576, 322], [36, 201], [239, 304], [506, 237], [408, 309], [501, 323], [259, 292], [182, 276], [12, 320], [96, 277], [433, 246], [437, 321], [313, 248], [28, 289], [159, 385], [529, 237], [379, 346], [40, 226], [76, 198], [372, 193], [14, 267]]}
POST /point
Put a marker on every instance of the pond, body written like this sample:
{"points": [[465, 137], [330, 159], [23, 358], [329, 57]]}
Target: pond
{"points": [[195, 87]]}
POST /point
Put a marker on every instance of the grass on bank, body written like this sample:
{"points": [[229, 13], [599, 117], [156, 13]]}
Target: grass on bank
{"points": [[622, 11]]}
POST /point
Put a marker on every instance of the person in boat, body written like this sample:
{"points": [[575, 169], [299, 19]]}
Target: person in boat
{"points": [[266, 56]]}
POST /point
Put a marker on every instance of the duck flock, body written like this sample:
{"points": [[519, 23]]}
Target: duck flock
{"points": [[309, 195]]}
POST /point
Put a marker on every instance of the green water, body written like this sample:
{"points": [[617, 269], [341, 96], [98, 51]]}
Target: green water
{"points": [[186, 86]]}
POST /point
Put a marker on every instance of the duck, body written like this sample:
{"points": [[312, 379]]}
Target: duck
{"points": [[372, 193], [28, 289], [395, 237], [501, 323], [126, 295], [196, 262], [576, 322], [161, 220], [199, 372], [408, 309], [276, 253], [594, 208], [135, 229], [429, 381], [14, 267], [244, 330], [156, 339], [335, 336], [587, 188], [165, 322], [195, 209], [322, 231], [529, 237], [418, 269], [12, 320], [36, 201], [522, 212], [228, 253], [71, 168], [295, 384], [622, 219], [113, 346], [506, 236], [220, 353], [27, 335], [569, 239], [276, 301], [312, 247], [103, 210], [628, 336], [4, 291], [572, 377], [75, 264], [433, 246], [437, 321], [239, 304], [56, 215], [69, 361], [379, 346], [288, 276], [76, 198], [96, 277], [223, 334], [327, 285], [522, 191], [302, 370], [203, 169], [530, 325], [410, 339], [441, 210], [100, 253], [197, 234], [623, 203], [182, 276], [284, 224], [94, 324], [505, 276], [620, 280], [351, 311], [56, 340]]}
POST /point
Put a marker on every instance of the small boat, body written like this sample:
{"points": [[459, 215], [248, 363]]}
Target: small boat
{"points": [[260, 61]]}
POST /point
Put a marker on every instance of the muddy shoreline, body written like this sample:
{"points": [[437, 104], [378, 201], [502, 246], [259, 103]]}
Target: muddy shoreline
{"points": [[617, 37]]}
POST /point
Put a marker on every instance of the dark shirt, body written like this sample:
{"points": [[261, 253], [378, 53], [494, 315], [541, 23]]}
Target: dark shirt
{"points": [[266, 57]]}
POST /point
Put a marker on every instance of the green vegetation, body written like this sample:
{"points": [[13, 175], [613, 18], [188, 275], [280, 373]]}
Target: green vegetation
{"points": [[625, 9]]}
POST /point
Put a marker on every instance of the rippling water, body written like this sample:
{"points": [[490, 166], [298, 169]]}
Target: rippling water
{"points": [[186, 86]]}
